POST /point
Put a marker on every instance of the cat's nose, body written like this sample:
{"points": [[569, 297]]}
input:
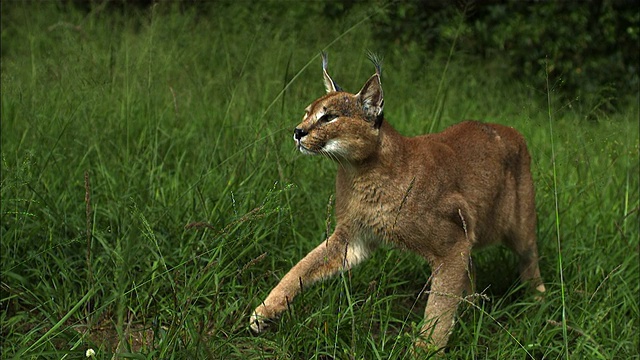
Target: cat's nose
{"points": [[299, 133]]}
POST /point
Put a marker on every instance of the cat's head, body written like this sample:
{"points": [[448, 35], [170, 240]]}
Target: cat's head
{"points": [[341, 125]]}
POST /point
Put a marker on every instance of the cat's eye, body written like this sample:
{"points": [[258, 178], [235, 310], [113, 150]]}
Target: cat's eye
{"points": [[327, 117]]}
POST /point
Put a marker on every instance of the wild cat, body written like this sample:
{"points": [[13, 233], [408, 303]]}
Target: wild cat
{"points": [[440, 195]]}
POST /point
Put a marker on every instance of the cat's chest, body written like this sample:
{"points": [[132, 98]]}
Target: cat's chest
{"points": [[376, 206]]}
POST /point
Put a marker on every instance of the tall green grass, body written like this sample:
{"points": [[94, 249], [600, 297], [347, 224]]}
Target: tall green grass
{"points": [[151, 194]]}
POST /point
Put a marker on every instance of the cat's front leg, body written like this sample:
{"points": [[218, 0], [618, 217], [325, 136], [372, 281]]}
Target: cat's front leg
{"points": [[450, 279], [338, 253]]}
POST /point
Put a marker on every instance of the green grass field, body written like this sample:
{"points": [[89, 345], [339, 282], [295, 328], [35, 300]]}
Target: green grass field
{"points": [[152, 195]]}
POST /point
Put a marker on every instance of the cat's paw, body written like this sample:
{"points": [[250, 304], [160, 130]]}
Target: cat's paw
{"points": [[258, 322]]}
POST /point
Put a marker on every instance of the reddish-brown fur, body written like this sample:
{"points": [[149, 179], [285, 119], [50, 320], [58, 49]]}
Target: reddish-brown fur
{"points": [[439, 195]]}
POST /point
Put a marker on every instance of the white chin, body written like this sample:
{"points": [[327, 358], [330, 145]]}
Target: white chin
{"points": [[305, 151]]}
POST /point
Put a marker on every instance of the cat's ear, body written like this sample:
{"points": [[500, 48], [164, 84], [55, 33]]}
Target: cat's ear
{"points": [[372, 99], [329, 84]]}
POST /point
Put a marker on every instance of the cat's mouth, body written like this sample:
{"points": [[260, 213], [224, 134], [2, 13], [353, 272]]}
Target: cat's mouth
{"points": [[331, 147], [304, 149]]}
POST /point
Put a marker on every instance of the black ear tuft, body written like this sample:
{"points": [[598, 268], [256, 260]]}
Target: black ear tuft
{"points": [[372, 98], [377, 62], [329, 84]]}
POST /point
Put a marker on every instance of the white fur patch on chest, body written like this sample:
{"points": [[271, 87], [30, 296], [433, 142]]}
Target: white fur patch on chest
{"points": [[356, 253], [359, 250]]}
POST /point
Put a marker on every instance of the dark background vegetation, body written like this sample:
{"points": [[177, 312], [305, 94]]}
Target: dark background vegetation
{"points": [[586, 49], [585, 45]]}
